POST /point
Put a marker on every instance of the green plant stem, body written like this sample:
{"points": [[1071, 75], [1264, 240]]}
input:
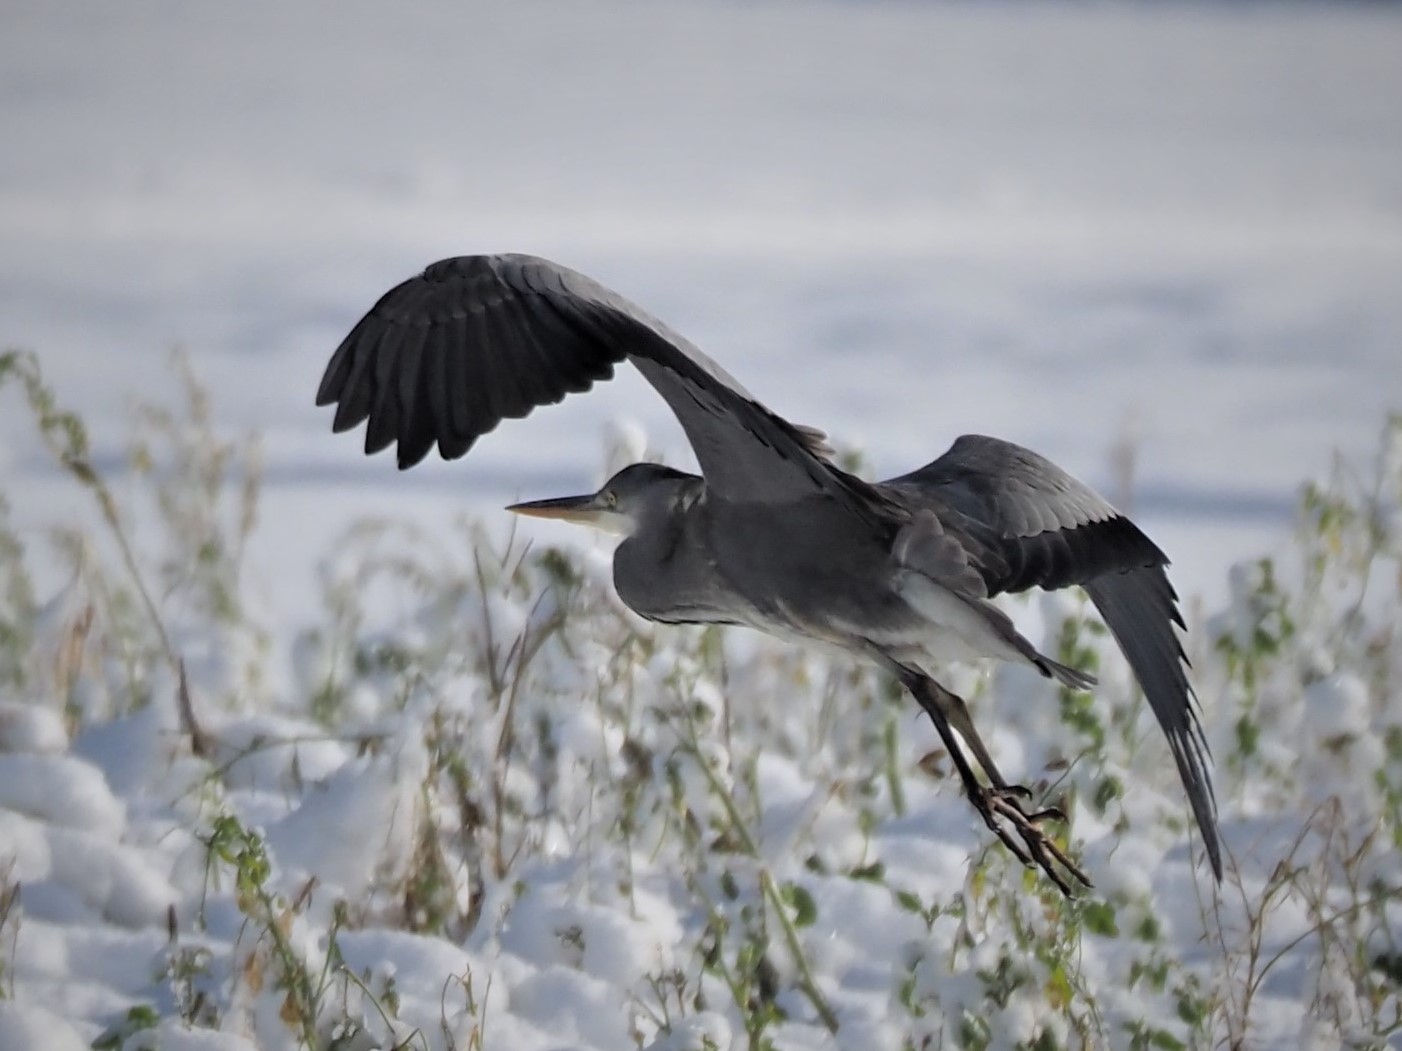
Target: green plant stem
{"points": [[64, 435], [355, 980], [806, 982], [298, 981]]}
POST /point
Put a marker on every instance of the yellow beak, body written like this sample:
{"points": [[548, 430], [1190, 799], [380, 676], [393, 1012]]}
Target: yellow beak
{"points": [[583, 509]]}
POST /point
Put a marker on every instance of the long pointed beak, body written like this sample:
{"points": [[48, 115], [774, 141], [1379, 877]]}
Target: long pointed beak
{"points": [[583, 509]]}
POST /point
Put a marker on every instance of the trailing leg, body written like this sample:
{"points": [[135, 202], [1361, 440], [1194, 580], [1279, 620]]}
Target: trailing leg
{"points": [[999, 803]]}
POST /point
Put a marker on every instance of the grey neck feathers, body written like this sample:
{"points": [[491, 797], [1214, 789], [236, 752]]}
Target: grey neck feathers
{"points": [[660, 569]]}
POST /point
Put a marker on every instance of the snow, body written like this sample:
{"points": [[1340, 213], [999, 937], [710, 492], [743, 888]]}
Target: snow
{"points": [[27, 728], [1161, 244], [35, 1027], [60, 790]]}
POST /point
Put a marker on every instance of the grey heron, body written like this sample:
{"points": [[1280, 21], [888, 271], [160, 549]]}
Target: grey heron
{"points": [[772, 534]]}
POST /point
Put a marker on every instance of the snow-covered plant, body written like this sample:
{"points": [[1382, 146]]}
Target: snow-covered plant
{"points": [[488, 807]]}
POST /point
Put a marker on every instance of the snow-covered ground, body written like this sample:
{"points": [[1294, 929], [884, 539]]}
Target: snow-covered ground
{"points": [[1175, 229], [1176, 226]]}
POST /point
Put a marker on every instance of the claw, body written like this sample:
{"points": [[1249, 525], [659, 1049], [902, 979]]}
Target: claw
{"points": [[1000, 805]]}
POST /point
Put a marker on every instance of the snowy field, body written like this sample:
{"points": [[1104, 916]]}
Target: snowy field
{"points": [[1160, 244]]}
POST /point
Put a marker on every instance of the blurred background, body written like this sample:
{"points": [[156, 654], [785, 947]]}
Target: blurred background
{"points": [[1161, 244]]}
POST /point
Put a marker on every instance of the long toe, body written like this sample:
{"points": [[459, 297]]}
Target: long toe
{"points": [[1003, 813], [1013, 797], [1051, 813]]}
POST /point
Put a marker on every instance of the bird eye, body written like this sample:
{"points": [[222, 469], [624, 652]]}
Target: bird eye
{"points": [[611, 498]]}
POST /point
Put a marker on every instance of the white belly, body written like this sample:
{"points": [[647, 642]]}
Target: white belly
{"points": [[954, 630], [940, 629]]}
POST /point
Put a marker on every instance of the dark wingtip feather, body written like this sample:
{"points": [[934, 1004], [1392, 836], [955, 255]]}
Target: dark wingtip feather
{"points": [[418, 425], [416, 440], [329, 390], [384, 424], [1137, 608], [443, 357], [452, 446]]}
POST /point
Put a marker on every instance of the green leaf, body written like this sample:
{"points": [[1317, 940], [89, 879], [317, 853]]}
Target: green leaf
{"points": [[1106, 792], [140, 1017], [873, 873], [1148, 929], [1248, 736], [801, 901], [1099, 918], [910, 902], [728, 886], [1058, 989]]}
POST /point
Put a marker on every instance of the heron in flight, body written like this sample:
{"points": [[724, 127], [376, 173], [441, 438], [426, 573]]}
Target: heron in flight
{"points": [[772, 534]]}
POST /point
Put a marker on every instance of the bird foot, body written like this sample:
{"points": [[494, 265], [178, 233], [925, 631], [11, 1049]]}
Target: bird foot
{"points": [[1002, 810]]}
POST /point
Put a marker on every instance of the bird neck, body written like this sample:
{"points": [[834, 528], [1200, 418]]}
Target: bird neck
{"points": [[662, 561], [662, 521]]}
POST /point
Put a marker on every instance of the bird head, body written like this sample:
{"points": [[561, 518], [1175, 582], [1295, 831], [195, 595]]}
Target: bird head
{"points": [[620, 506]]}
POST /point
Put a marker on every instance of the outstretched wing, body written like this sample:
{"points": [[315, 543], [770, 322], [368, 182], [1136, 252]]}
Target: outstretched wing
{"points": [[1030, 524], [448, 354]]}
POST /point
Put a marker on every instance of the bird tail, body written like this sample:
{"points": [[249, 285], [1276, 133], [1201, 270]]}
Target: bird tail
{"points": [[1076, 680]]}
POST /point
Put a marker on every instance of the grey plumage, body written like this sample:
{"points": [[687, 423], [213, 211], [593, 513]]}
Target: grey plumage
{"points": [[773, 535], [1048, 530]]}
